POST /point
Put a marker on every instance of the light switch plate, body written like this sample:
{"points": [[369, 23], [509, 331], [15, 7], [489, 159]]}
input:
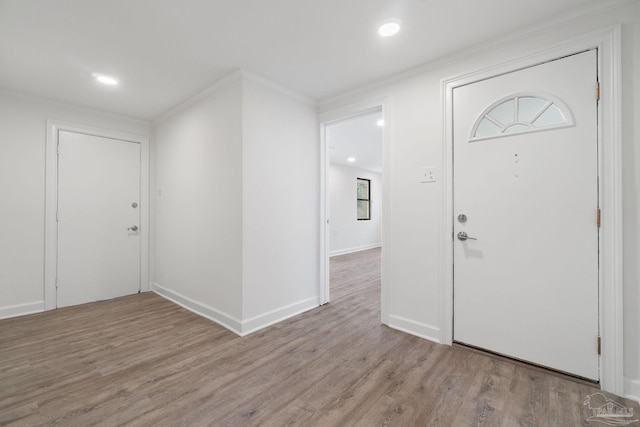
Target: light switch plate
{"points": [[428, 174]]}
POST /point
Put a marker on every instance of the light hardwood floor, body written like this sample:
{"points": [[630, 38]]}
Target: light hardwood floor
{"points": [[141, 360]]}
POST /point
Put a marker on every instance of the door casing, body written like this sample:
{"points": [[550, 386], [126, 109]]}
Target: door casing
{"points": [[324, 120], [609, 170], [51, 200]]}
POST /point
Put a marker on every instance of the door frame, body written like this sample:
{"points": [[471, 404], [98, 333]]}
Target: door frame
{"points": [[325, 119], [607, 41], [51, 201]]}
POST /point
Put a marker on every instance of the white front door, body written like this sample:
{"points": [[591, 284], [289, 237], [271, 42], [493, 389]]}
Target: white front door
{"points": [[98, 218], [526, 195]]}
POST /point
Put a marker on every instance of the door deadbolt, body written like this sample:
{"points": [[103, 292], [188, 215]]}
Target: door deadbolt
{"points": [[462, 218], [134, 205]]}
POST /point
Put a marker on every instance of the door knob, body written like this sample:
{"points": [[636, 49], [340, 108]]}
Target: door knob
{"points": [[133, 228], [464, 236]]}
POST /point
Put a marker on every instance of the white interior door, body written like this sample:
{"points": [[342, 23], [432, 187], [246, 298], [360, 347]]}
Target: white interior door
{"points": [[526, 180], [98, 218]]}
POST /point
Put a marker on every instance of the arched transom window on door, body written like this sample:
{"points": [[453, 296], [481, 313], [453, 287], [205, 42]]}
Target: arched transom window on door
{"points": [[521, 113]]}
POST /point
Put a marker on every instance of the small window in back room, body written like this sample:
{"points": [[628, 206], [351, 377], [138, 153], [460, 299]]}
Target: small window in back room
{"points": [[364, 199]]}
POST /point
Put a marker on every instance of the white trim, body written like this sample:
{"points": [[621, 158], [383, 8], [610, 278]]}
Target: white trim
{"points": [[278, 88], [274, 316], [106, 114], [353, 110], [21, 309], [221, 318], [611, 233], [235, 325], [327, 118], [607, 41], [632, 389], [412, 327], [356, 249], [51, 201], [228, 80], [216, 87], [324, 291], [562, 20]]}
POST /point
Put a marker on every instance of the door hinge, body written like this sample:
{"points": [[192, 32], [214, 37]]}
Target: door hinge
{"points": [[598, 217], [599, 345], [597, 91]]}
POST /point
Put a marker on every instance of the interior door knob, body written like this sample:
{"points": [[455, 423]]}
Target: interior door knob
{"points": [[133, 228], [464, 236]]}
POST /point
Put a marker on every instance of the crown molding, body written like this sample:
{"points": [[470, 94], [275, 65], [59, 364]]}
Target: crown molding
{"points": [[246, 75], [575, 15], [30, 97], [214, 88], [238, 75]]}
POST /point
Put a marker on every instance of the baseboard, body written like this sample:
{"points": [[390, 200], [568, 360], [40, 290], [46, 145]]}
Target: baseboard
{"points": [[632, 389], [412, 327], [267, 319], [352, 250], [21, 309], [223, 319]]}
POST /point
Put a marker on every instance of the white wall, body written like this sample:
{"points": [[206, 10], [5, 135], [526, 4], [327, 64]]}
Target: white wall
{"points": [[281, 171], [237, 204], [22, 191], [347, 233], [198, 205], [200, 235], [415, 119], [245, 139]]}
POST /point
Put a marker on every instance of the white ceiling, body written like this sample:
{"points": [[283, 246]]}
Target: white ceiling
{"points": [[359, 137], [165, 51]]}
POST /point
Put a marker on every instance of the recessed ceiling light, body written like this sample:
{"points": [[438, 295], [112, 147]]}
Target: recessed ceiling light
{"points": [[390, 27], [351, 159], [380, 122], [107, 80]]}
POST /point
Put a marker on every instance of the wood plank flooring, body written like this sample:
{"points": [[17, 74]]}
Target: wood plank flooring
{"points": [[144, 361]]}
